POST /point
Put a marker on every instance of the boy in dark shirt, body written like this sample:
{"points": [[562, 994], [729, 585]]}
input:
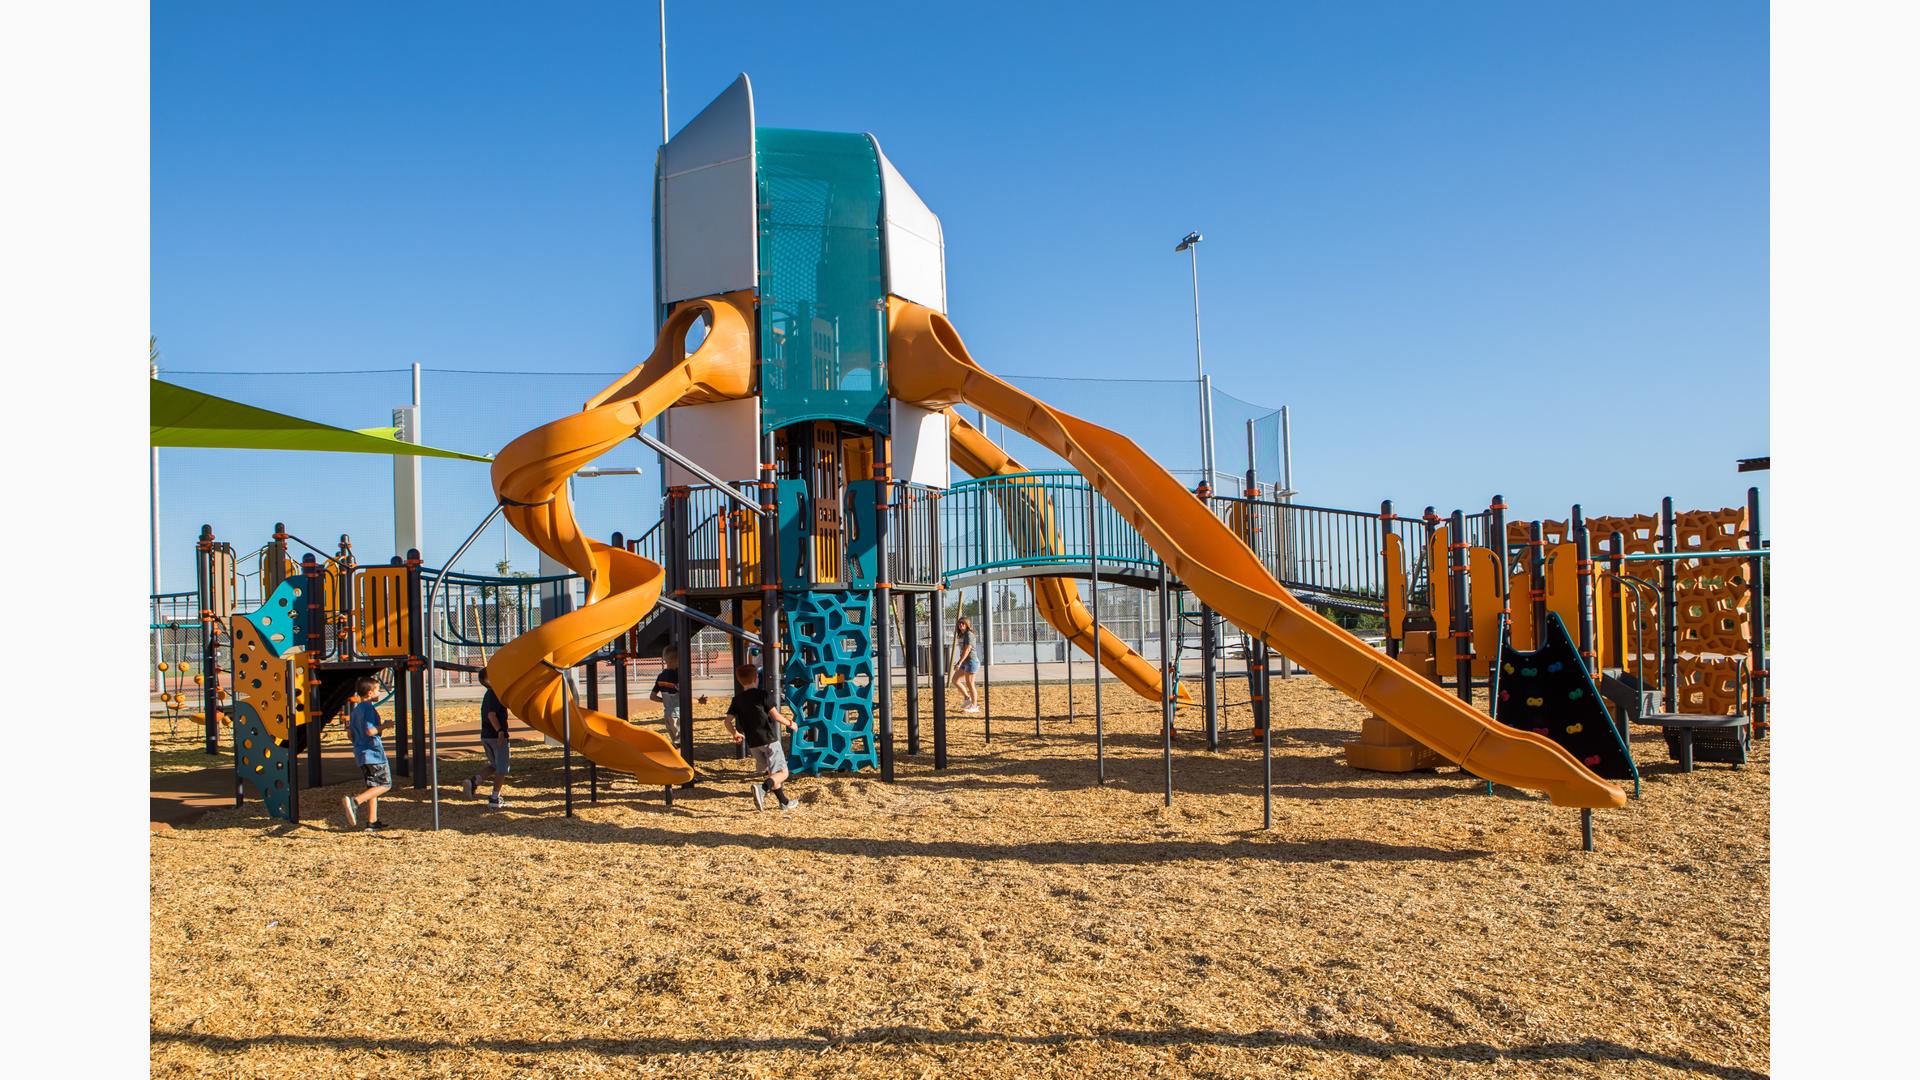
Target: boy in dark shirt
{"points": [[755, 721], [363, 727], [666, 691], [493, 739]]}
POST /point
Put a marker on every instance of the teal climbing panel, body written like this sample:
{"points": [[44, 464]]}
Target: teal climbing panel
{"points": [[262, 762], [794, 522], [282, 620], [828, 680]]}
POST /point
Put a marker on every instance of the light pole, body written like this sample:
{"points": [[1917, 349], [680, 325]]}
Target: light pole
{"points": [[1190, 244], [153, 522], [664, 131]]}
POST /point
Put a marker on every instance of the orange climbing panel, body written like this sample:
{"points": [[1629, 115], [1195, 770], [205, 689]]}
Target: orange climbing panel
{"points": [[1483, 586], [382, 617]]}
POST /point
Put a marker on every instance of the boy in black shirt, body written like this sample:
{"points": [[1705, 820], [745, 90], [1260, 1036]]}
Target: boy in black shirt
{"points": [[754, 720], [493, 739]]}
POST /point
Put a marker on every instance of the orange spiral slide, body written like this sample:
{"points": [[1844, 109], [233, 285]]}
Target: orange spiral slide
{"points": [[530, 478], [1057, 598], [928, 364]]}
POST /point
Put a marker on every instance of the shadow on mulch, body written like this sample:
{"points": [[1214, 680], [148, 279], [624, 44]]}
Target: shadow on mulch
{"points": [[1593, 1050]]}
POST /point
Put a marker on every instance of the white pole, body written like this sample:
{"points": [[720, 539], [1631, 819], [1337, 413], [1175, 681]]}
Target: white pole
{"points": [[153, 514], [665, 132], [1286, 452], [409, 526], [1192, 244]]}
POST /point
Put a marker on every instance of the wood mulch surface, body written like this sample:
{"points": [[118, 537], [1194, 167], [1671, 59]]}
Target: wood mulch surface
{"points": [[1007, 917]]}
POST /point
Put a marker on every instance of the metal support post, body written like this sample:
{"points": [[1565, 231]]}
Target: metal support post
{"points": [[1669, 609], [1757, 697]]}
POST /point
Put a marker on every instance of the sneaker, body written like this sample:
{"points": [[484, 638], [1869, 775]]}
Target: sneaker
{"points": [[790, 805], [971, 709], [376, 826], [353, 813], [759, 796], [495, 802], [470, 783]]}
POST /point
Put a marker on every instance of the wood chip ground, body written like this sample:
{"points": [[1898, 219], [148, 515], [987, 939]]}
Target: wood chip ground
{"points": [[1005, 918]]}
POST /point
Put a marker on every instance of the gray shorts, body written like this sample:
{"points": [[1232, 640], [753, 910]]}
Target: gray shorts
{"points": [[768, 759], [497, 756]]}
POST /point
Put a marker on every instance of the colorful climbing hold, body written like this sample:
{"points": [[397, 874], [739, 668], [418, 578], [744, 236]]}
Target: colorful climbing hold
{"points": [[1536, 702], [1575, 729], [1576, 694], [1529, 672], [1555, 666]]}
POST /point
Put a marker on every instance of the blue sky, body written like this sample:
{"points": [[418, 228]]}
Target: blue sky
{"points": [[1476, 247]]}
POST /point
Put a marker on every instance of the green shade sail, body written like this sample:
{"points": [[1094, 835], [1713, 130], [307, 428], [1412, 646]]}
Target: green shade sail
{"points": [[183, 417]]}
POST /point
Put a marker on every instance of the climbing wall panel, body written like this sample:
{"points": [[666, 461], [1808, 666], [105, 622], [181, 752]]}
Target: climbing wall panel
{"points": [[1711, 597], [268, 696], [262, 762], [829, 680], [1549, 692]]}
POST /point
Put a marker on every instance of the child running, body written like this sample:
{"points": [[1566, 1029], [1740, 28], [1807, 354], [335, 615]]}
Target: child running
{"points": [[666, 691], [754, 721], [363, 726], [493, 739]]}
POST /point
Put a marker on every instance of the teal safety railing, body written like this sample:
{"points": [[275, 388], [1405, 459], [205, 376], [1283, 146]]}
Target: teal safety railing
{"points": [[1034, 519]]}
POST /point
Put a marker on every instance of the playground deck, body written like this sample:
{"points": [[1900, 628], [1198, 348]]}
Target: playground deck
{"points": [[1006, 918]]}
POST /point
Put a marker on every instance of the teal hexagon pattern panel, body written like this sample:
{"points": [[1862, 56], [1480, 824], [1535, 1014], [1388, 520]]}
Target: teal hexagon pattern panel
{"points": [[828, 681]]}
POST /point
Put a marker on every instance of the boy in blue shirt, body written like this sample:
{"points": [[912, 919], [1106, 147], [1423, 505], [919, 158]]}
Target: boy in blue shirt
{"points": [[363, 726]]}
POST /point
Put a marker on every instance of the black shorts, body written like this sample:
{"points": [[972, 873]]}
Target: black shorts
{"points": [[377, 775]]}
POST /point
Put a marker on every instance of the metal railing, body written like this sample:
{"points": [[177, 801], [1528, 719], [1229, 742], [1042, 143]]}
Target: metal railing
{"points": [[1032, 519]]}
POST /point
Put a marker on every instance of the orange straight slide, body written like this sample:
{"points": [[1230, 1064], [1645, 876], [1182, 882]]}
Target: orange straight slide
{"points": [[929, 365], [530, 478]]}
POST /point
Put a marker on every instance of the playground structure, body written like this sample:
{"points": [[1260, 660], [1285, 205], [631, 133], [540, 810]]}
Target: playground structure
{"points": [[1670, 617], [293, 651], [825, 382], [806, 435]]}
